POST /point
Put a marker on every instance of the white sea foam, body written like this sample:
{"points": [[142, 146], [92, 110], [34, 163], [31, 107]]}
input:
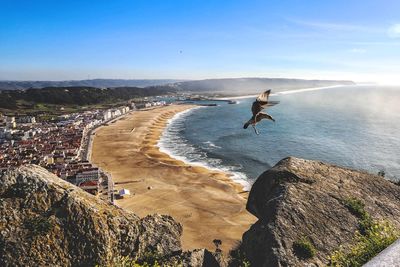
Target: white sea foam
{"points": [[211, 144], [172, 143]]}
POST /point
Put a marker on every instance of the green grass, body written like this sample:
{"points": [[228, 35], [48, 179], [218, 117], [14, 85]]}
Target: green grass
{"points": [[378, 236], [372, 238], [303, 248], [129, 262], [355, 206], [125, 261]]}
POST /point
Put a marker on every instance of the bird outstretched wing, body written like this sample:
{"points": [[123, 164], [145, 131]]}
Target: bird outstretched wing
{"points": [[260, 116], [260, 103], [263, 98]]}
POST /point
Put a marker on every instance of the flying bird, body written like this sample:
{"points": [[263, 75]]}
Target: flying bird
{"points": [[258, 105]]}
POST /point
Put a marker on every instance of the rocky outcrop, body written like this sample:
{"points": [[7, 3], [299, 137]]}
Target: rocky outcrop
{"points": [[45, 221], [301, 198]]}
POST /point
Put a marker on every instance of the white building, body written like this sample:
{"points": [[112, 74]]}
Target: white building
{"points": [[116, 113], [63, 117], [124, 192], [26, 119], [107, 115], [49, 159], [87, 175]]}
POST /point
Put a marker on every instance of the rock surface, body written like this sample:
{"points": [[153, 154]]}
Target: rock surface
{"points": [[45, 221], [298, 198]]}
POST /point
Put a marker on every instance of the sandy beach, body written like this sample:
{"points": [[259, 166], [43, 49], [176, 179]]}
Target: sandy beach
{"points": [[207, 203]]}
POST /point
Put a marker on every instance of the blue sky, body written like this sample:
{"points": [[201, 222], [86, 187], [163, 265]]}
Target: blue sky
{"points": [[195, 39]]}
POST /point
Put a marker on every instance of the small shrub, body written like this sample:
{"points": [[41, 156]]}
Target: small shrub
{"points": [[356, 207], [377, 237], [303, 248], [38, 225], [238, 257], [151, 258], [217, 243], [365, 223], [125, 261]]}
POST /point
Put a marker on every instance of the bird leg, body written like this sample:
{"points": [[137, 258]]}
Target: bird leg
{"points": [[255, 129]]}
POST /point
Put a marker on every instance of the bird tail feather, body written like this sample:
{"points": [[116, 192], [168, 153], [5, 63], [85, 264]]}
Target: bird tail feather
{"points": [[247, 124]]}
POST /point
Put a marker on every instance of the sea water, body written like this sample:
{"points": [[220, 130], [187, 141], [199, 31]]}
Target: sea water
{"points": [[351, 126]]}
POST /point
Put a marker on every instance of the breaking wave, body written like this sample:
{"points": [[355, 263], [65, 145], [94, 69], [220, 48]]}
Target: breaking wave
{"points": [[173, 143]]}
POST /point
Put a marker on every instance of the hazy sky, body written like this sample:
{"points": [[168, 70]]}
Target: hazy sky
{"points": [[191, 39]]}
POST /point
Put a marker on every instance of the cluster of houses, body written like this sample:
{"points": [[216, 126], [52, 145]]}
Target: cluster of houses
{"points": [[57, 146], [87, 176], [116, 112], [149, 104], [61, 146]]}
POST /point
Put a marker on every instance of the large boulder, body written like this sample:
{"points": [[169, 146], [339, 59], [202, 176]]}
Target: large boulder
{"points": [[300, 198], [45, 221]]}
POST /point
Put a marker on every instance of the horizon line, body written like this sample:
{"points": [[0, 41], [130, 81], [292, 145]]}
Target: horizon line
{"points": [[178, 79]]}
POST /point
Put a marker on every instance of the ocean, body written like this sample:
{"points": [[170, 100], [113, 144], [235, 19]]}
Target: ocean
{"points": [[350, 126]]}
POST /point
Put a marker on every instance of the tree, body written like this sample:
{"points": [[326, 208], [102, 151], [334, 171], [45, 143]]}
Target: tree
{"points": [[217, 243]]}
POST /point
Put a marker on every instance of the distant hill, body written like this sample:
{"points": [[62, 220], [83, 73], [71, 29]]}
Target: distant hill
{"points": [[99, 83], [229, 86], [243, 86], [82, 96]]}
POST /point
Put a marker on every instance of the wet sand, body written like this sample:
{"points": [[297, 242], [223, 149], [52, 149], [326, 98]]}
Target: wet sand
{"points": [[207, 203]]}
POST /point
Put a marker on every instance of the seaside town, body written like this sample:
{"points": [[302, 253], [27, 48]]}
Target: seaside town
{"points": [[62, 145]]}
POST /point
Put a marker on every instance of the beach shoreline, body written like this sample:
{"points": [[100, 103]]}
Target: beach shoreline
{"points": [[208, 203], [164, 145]]}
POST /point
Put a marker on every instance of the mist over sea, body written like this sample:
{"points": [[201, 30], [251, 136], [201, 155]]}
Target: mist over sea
{"points": [[351, 126]]}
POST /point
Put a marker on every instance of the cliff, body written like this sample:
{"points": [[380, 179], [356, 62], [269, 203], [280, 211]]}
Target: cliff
{"points": [[45, 221], [309, 200]]}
